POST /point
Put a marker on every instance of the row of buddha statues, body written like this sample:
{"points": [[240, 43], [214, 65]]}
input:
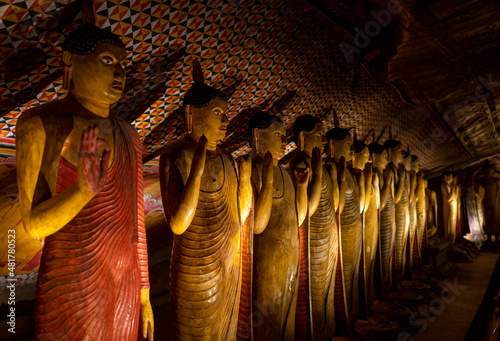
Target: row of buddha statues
{"points": [[259, 252], [470, 205]]}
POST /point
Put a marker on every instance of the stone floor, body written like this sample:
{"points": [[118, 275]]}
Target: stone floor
{"points": [[464, 315]]}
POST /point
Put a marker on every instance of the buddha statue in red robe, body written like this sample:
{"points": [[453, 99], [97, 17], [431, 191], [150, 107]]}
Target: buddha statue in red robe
{"points": [[80, 185], [323, 199]]}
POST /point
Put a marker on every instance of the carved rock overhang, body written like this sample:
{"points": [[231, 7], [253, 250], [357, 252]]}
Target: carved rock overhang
{"points": [[429, 70]]}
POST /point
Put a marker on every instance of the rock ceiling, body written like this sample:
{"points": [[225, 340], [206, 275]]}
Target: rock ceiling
{"points": [[427, 68]]}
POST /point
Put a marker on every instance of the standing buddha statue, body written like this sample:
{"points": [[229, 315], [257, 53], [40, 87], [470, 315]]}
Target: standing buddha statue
{"points": [[323, 196], [79, 170], [276, 224], [364, 176], [350, 228], [388, 213], [202, 197]]}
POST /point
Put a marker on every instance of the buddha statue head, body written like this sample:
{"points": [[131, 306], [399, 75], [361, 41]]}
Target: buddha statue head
{"points": [[415, 163], [339, 144], [380, 157], [361, 154], [205, 110], [308, 133], [448, 177], [406, 160], [395, 151], [266, 133], [94, 67]]}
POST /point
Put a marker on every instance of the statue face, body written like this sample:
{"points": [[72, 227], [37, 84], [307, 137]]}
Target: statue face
{"points": [[100, 75], [314, 138], [272, 139], [343, 148], [362, 158], [210, 121], [396, 154], [448, 178], [381, 160], [407, 163], [415, 165]]}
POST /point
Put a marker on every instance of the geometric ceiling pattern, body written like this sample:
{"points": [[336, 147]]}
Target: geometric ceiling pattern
{"points": [[264, 55]]}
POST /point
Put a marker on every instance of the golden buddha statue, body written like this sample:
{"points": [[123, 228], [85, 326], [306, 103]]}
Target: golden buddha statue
{"points": [[402, 215], [474, 202], [350, 227], [276, 242], [449, 192], [79, 170], [490, 180], [380, 160], [323, 197], [390, 197], [431, 208], [420, 212], [199, 184], [368, 184]]}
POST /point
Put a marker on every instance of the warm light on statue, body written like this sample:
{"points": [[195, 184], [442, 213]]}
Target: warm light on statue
{"points": [[80, 181], [200, 185]]}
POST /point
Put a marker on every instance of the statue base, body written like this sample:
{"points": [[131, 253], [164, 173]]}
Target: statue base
{"points": [[440, 265]]}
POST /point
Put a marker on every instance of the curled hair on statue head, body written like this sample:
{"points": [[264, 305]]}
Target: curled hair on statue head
{"points": [[85, 38], [391, 143], [261, 120], [200, 94], [337, 134], [376, 148], [304, 123], [358, 146]]}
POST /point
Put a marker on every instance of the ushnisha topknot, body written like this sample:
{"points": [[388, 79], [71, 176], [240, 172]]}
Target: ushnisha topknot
{"points": [[337, 134], [358, 146], [391, 143], [200, 95], [261, 120], [85, 38], [304, 123], [376, 148]]}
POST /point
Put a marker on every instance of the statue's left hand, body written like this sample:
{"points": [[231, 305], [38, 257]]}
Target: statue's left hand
{"points": [[147, 320]]}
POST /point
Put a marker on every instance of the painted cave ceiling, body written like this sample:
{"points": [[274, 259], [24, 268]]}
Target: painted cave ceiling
{"points": [[429, 69]]}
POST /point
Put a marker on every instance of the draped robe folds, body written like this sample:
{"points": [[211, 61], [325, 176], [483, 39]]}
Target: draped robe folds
{"points": [[93, 268], [386, 237], [370, 244], [421, 223], [402, 216], [276, 266], [324, 244], [206, 259], [474, 212], [245, 310], [449, 211], [351, 235]]}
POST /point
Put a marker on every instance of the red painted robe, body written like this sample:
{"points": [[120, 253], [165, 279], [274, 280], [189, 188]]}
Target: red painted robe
{"points": [[92, 270]]}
